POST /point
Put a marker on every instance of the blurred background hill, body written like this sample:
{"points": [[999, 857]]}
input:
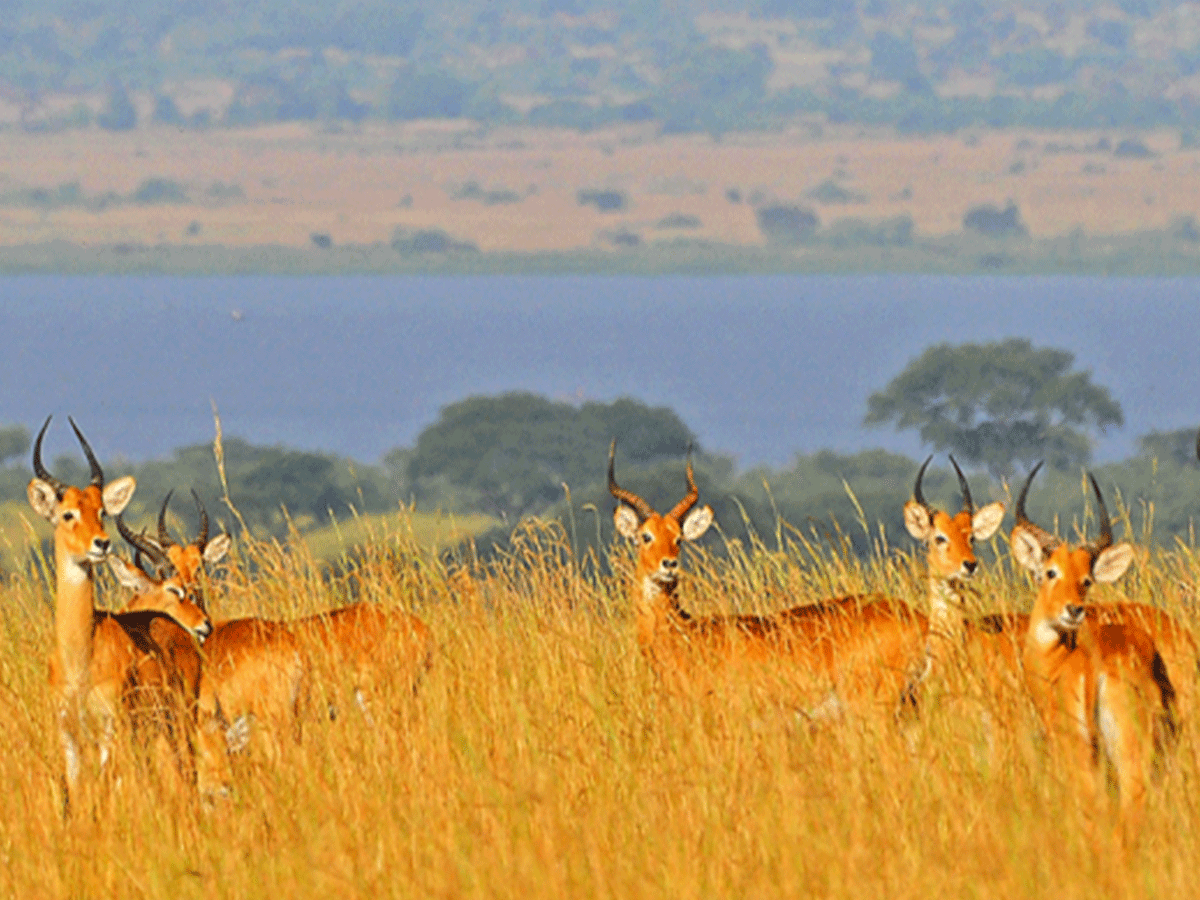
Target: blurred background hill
{"points": [[692, 65]]}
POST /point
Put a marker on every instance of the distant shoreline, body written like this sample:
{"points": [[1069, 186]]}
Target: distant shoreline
{"points": [[1138, 254]]}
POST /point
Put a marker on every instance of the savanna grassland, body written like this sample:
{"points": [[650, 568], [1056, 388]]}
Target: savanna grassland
{"points": [[518, 190], [540, 757]]}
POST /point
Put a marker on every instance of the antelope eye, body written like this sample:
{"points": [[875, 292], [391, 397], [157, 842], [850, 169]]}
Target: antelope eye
{"points": [[69, 516], [647, 537], [1051, 573], [1086, 582], [941, 539]]}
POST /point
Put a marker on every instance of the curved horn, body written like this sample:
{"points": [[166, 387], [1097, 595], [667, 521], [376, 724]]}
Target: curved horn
{"points": [[968, 504], [40, 470], [202, 540], [164, 537], [1019, 513], [683, 506], [145, 546], [1106, 537], [97, 472], [640, 506], [1047, 541], [918, 495]]}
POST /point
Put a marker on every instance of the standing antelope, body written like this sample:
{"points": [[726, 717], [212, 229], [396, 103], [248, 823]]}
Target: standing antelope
{"points": [[262, 670], [1096, 684], [1173, 641], [855, 650], [140, 663]]}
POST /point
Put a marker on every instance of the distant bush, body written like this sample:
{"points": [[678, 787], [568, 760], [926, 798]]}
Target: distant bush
{"points": [[321, 240], [603, 200], [783, 224], [991, 221], [894, 232], [1132, 148], [221, 191], [159, 190], [490, 197], [428, 240], [120, 114], [679, 220], [1185, 229], [622, 237], [829, 191]]}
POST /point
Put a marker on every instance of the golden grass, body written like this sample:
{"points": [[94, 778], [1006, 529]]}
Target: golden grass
{"points": [[358, 185], [541, 759]]}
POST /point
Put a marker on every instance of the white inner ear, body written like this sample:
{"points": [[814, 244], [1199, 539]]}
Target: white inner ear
{"points": [[217, 548], [987, 520], [1112, 563], [1027, 550], [42, 498], [118, 494], [626, 520], [917, 520], [129, 575], [697, 523]]}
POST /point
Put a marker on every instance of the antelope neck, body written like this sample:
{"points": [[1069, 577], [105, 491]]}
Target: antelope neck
{"points": [[945, 610], [73, 617]]}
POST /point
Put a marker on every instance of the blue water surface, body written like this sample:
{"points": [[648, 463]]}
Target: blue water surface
{"points": [[760, 367]]}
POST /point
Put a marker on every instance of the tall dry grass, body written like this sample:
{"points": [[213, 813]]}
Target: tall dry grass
{"points": [[541, 759]]}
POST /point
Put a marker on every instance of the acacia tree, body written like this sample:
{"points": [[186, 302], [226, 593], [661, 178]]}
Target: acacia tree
{"points": [[998, 404]]}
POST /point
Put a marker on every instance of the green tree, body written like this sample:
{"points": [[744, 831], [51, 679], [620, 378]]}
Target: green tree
{"points": [[510, 455], [998, 404], [14, 442]]}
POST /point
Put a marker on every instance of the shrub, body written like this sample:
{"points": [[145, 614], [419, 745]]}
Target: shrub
{"points": [[159, 190], [787, 224], [428, 240], [603, 200], [988, 220], [679, 220]]}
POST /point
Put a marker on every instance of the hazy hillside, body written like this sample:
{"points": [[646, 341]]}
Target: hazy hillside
{"points": [[710, 65]]}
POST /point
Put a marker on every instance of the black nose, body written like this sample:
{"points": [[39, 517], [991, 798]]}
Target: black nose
{"points": [[670, 563], [971, 565], [101, 544], [1075, 612]]}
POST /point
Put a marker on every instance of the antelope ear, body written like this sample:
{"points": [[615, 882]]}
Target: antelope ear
{"points": [[118, 494], [918, 521], [217, 548], [987, 520], [129, 575], [1027, 549], [1112, 562], [626, 521], [42, 498], [697, 523]]}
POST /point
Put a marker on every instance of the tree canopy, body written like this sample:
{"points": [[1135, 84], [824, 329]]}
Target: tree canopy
{"points": [[998, 404], [515, 451]]}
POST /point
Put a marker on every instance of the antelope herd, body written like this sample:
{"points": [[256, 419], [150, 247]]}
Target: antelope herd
{"points": [[1109, 681]]}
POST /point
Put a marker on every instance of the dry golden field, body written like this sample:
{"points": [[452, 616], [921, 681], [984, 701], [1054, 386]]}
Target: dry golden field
{"points": [[540, 758], [280, 185]]}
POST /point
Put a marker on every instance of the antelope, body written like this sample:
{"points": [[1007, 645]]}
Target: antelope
{"points": [[859, 648], [954, 643], [261, 670], [1098, 685], [175, 587], [139, 665], [1172, 640]]}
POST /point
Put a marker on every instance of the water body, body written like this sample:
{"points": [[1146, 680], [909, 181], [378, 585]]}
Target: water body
{"points": [[760, 367]]}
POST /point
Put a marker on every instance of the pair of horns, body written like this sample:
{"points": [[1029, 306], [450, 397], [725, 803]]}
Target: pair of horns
{"points": [[640, 506], [1049, 541], [41, 472], [919, 496], [155, 550]]}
